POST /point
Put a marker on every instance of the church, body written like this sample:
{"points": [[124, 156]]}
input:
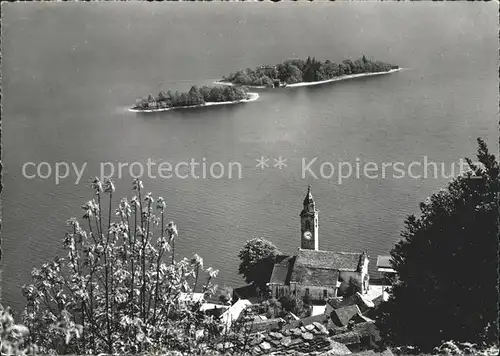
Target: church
{"points": [[316, 273]]}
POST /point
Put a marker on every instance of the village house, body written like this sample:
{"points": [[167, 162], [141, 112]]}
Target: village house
{"points": [[316, 273], [384, 264]]}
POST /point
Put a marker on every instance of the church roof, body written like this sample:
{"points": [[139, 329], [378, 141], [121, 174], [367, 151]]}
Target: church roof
{"points": [[314, 276], [342, 261], [314, 268]]}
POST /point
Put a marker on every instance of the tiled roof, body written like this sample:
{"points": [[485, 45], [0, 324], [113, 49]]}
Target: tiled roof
{"points": [[355, 299], [336, 349], [246, 292], [365, 353], [343, 261], [337, 302], [265, 325], [368, 329], [305, 339], [342, 315], [366, 333], [348, 338], [310, 338], [292, 324], [281, 270], [377, 301], [314, 268], [321, 318], [386, 352], [314, 276]]}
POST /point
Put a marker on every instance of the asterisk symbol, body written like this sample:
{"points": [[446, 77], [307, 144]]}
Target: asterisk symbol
{"points": [[262, 162], [280, 162]]}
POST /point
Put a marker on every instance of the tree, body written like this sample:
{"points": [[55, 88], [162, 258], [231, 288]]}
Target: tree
{"points": [[216, 94], [205, 92], [290, 73], [162, 96], [197, 262], [257, 258], [266, 81], [348, 65], [114, 290], [353, 286], [241, 93], [225, 294], [294, 305], [184, 99], [307, 305], [195, 96], [446, 264], [229, 94], [272, 308]]}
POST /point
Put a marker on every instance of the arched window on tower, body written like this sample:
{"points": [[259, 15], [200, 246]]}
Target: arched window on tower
{"points": [[308, 225]]}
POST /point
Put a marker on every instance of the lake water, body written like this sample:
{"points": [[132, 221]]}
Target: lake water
{"points": [[71, 70]]}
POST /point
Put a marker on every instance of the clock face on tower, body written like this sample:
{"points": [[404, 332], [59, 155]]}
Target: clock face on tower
{"points": [[307, 235]]}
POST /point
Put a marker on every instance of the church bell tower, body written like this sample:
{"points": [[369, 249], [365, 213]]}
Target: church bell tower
{"points": [[309, 239]]}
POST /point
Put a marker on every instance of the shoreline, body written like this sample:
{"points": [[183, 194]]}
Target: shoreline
{"points": [[343, 77], [306, 84], [253, 97]]}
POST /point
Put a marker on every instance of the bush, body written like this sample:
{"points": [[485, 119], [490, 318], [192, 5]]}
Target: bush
{"points": [[454, 348], [14, 337], [294, 305], [271, 308]]}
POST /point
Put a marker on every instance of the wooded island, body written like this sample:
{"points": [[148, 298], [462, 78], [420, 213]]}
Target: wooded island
{"points": [[196, 97], [295, 71]]}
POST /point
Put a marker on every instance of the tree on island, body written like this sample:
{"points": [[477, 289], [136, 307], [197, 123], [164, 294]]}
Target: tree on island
{"points": [[257, 258], [447, 265]]}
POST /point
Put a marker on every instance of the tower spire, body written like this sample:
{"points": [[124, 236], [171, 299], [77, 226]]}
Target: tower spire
{"points": [[309, 223], [309, 198]]}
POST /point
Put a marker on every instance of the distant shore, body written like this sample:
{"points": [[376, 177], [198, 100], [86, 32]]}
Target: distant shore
{"points": [[306, 84], [253, 97]]}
